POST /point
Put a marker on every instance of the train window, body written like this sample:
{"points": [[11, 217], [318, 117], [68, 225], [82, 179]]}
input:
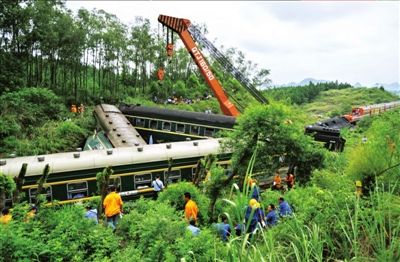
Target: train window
{"points": [[139, 122], [180, 128], [166, 126], [33, 193], [173, 176], [193, 172], [153, 124], [209, 131], [115, 182], [194, 130], [142, 181], [77, 190]]}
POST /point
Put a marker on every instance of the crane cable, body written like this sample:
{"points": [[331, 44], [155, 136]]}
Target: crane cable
{"points": [[227, 65]]}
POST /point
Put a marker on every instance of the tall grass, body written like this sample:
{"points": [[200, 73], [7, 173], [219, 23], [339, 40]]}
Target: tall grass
{"points": [[366, 229]]}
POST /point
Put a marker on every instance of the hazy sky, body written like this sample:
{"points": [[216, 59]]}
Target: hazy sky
{"points": [[345, 41]]}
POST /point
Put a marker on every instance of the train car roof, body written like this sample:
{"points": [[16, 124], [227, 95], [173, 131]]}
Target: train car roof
{"points": [[117, 127], [66, 162], [381, 105], [178, 115]]}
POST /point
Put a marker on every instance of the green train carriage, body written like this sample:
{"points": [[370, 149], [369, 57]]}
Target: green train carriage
{"points": [[73, 175]]}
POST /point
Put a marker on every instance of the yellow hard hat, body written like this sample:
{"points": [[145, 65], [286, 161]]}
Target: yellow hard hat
{"points": [[253, 202], [358, 183]]}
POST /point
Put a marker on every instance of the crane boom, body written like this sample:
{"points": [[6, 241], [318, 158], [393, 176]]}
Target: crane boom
{"points": [[226, 64], [180, 26]]}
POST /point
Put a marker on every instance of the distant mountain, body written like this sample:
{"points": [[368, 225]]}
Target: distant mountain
{"points": [[394, 87], [303, 82], [306, 81]]}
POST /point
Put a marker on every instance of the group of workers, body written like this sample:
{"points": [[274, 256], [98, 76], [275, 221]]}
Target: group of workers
{"points": [[77, 109], [254, 216], [277, 183]]}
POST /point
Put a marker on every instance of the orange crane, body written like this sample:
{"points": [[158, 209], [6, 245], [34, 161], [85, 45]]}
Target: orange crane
{"points": [[187, 32]]}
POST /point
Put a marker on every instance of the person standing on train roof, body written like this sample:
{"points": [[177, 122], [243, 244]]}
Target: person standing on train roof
{"points": [[158, 186], [112, 207], [191, 209]]}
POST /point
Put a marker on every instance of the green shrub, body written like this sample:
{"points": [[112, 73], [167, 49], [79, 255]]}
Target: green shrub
{"points": [[57, 234]]}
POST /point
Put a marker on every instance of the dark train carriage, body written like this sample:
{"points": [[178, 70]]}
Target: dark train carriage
{"points": [[328, 131], [73, 175], [175, 125]]}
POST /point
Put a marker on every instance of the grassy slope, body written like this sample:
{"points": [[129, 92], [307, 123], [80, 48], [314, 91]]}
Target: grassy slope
{"points": [[335, 102]]}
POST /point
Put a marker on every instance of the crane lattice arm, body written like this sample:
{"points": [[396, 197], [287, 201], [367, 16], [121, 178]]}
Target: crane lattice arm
{"points": [[189, 33], [226, 64], [181, 26]]}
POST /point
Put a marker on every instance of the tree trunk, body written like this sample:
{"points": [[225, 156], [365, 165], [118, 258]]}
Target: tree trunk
{"points": [[19, 182], [168, 171], [103, 180], [2, 199], [42, 180]]}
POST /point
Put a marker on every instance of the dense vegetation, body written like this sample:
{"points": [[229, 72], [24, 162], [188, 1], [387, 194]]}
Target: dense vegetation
{"points": [[303, 94], [330, 222], [36, 121], [92, 56], [50, 58], [336, 102]]}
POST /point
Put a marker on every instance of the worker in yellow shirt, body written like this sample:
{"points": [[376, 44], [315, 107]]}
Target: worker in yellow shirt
{"points": [[5, 216], [31, 214], [191, 209], [112, 207]]}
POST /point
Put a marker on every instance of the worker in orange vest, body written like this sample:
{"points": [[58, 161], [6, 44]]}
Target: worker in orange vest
{"points": [[73, 109], [277, 184], [290, 181]]}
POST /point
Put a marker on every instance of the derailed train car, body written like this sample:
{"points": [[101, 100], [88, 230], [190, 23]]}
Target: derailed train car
{"points": [[328, 131], [175, 125], [73, 174]]}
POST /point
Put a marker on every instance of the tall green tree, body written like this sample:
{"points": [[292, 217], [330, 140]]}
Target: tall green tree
{"points": [[277, 131]]}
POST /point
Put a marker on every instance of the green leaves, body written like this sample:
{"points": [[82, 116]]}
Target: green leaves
{"points": [[379, 156], [278, 131]]}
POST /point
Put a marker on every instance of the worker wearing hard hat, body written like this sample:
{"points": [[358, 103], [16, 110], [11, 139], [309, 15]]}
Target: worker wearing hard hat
{"points": [[254, 216]]}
